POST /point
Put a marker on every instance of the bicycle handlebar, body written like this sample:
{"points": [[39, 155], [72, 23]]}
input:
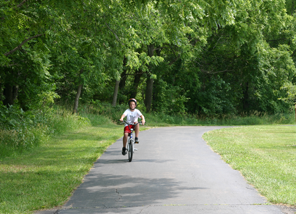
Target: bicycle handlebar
{"points": [[134, 124]]}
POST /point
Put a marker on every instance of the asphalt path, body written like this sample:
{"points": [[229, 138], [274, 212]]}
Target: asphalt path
{"points": [[173, 171]]}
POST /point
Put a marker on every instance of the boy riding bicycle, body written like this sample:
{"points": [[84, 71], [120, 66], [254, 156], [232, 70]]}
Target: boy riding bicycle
{"points": [[132, 115]]}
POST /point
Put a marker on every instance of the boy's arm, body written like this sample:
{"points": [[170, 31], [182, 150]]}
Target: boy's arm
{"points": [[143, 119], [122, 116]]}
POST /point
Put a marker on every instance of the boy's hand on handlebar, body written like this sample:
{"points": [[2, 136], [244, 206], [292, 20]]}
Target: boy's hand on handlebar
{"points": [[121, 119]]}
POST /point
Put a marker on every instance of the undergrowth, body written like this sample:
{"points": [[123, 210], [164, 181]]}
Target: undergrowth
{"points": [[163, 119], [21, 131]]}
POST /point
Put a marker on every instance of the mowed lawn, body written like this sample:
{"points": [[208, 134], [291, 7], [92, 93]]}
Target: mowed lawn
{"points": [[47, 176], [265, 155]]}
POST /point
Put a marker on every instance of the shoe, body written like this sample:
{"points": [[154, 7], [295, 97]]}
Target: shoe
{"points": [[137, 140], [123, 151]]}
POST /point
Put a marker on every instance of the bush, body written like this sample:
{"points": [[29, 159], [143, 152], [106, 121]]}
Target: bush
{"points": [[21, 131], [21, 139]]}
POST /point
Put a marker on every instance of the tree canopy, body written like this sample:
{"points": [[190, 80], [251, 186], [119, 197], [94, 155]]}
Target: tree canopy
{"points": [[207, 57]]}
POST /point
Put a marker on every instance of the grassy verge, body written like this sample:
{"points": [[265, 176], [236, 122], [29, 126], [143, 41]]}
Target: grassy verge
{"points": [[265, 155], [46, 176]]}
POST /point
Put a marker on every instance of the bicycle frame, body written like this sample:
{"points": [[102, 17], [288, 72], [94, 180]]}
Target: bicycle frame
{"points": [[130, 141]]}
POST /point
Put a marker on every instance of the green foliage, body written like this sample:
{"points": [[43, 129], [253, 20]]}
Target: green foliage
{"points": [[210, 58], [98, 108], [215, 97], [277, 69], [21, 131], [111, 114], [169, 99], [62, 120], [21, 139], [255, 118]]}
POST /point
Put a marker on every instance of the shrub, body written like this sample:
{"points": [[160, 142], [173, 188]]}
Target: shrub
{"points": [[21, 131]]}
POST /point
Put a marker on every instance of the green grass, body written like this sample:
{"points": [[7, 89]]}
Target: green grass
{"points": [[265, 155], [46, 176]]}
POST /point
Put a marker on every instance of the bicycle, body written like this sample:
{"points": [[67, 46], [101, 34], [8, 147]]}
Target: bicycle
{"points": [[130, 144]]}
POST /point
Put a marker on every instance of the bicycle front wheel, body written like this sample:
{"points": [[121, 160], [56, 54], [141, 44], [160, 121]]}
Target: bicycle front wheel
{"points": [[130, 150]]}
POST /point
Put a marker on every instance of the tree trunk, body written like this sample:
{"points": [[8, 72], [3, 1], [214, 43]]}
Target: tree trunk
{"points": [[149, 86], [149, 91], [77, 99], [135, 86], [10, 93], [115, 93], [123, 78], [123, 75], [76, 102]]}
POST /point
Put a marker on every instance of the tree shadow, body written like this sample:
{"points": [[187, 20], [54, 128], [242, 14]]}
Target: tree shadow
{"points": [[117, 191]]}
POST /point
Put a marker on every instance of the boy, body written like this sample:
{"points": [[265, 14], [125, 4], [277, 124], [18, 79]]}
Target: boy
{"points": [[132, 115]]}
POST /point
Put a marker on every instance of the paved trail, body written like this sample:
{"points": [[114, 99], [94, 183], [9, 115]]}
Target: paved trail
{"points": [[173, 171]]}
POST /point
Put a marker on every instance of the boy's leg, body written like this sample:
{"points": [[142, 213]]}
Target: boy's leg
{"points": [[137, 127], [137, 130], [124, 139]]}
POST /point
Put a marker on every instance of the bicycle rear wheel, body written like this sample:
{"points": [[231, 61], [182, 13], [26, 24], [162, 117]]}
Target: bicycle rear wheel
{"points": [[130, 150]]}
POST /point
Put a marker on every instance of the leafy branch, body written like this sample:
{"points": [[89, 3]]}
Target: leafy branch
{"points": [[114, 34], [21, 4], [19, 46]]}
